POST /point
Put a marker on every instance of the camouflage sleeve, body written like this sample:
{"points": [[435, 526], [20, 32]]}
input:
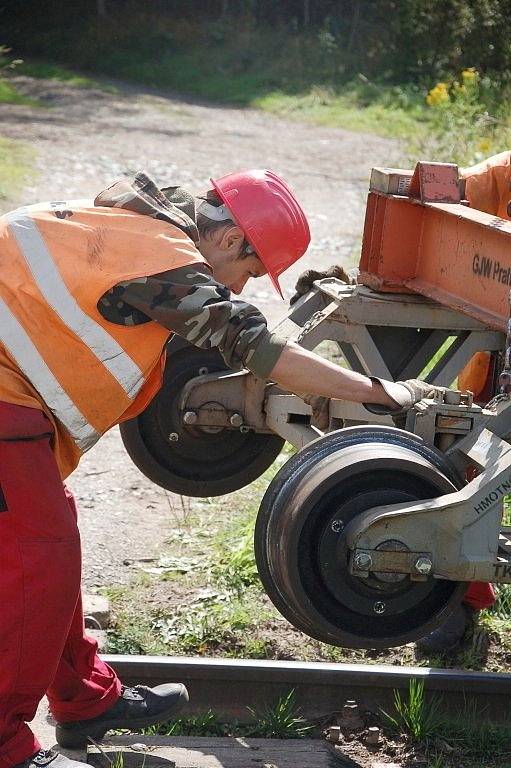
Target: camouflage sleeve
{"points": [[189, 302]]}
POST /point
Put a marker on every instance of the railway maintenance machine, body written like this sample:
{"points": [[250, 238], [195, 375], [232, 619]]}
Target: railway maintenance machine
{"points": [[368, 536]]}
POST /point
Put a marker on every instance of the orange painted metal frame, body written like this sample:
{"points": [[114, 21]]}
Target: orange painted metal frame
{"points": [[456, 255]]}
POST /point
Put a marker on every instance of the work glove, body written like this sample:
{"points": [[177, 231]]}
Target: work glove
{"points": [[320, 407], [307, 278], [405, 394]]}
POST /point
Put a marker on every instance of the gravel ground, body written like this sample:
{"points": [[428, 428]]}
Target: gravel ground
{"points": [[88, 138]]}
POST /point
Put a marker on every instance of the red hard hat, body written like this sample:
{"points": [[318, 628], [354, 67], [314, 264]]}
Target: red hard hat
{"points": [[270, 216]]}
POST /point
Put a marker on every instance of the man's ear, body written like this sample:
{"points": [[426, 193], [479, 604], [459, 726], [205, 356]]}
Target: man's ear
{"points": [[232, 238]]}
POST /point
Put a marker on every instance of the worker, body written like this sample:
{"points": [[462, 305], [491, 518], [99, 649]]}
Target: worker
{"points": [[487, 187], [90, 291]]}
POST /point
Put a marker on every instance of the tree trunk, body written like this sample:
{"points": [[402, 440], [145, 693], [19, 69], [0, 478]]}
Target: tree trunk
{"points": [[306, 13]]}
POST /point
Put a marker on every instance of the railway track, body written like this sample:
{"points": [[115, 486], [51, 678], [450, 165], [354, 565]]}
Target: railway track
{"points": [[228, 687]]}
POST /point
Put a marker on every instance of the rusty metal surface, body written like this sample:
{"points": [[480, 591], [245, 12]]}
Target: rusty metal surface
{"points": [[435, 183]]}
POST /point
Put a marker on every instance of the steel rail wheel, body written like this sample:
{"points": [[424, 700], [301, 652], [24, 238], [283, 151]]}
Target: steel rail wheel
{"points": [[301, 551], [186, 459]]}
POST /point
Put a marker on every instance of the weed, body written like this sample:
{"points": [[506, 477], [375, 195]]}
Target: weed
{"points": [[468, 733], [282, 721], [502, 607], [471, 732], [414, 717], [205, 724], [236, 568]]}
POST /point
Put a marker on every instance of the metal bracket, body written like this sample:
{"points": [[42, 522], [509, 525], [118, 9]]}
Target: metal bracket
{"points": [[462, 527]]}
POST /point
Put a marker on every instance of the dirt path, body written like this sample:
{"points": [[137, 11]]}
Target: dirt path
{"points": [[85, 140]]}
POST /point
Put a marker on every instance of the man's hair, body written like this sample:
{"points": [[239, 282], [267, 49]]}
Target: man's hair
{"points": [[207, 227]]}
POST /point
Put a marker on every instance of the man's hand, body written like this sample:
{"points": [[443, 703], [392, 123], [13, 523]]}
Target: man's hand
{"points": [[320, 410], [307, 278]]}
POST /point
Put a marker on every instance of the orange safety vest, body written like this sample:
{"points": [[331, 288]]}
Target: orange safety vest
{"points": [[488, 189], [488, 185], [57, 352]]}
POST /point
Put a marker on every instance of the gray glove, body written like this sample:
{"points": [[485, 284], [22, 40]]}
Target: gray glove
{"points": [[307, 278], [405, 394], [320, 407]]}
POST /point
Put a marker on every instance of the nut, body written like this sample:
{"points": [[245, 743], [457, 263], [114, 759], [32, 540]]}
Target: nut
{"points": [[236, 420], [190, 417], [173, 437], [337, 526], [423, 565], [363, 561]]}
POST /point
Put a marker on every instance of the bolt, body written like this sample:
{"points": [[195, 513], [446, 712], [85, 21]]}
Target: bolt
{"points": [[190, 417], [373, 736], [236, 420], [350, 717], [337, 526], [138, 747], [244, 429], [423, 565], [203, 371], [334, 734], [379, 608], [363, 561], [173, 437]]}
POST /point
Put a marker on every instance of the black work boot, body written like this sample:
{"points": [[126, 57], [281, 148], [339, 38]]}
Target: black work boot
{"points": [[449, 635], [48, 757], [136, 708]]}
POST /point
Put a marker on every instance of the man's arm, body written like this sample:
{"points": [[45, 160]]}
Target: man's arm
{"points": [[192, 304], [299, 370], [189, 302]]}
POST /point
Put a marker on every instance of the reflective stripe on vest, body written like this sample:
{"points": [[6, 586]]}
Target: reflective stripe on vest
{"points": [[20, 345], [101, 344], [53, 288]]}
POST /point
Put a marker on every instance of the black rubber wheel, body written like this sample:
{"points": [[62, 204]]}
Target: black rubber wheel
{"points": [[198, 463], [303, 561]]}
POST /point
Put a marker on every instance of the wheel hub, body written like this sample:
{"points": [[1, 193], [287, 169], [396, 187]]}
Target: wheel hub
{"points": [[171, 446]]}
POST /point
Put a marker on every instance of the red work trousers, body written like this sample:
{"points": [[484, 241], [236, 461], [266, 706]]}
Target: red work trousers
{"points": [[43, 648]]}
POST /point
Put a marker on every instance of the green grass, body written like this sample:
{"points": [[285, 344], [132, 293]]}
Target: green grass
{"points": [[282, 720], [213, 564], [414, 716], [9, 95], [466, 735], [279, 720], [52, 71], [348, 109], [16, 166]]}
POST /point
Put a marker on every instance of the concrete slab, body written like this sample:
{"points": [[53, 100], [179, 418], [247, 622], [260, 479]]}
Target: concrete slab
{"points": [[214, 752], [44, 728], [97, 609]]}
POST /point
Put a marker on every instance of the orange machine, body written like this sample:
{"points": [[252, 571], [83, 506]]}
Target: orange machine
{"points": [[428, 241]]}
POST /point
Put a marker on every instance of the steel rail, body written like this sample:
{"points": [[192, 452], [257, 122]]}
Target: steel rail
{"points": [[228, 687]]}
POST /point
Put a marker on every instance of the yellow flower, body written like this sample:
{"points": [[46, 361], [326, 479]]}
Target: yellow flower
{"points": [[438, 95], [484, 145], [470, 74]]}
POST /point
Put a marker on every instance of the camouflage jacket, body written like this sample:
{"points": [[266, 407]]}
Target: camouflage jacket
{"points": [[188, 300]]}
